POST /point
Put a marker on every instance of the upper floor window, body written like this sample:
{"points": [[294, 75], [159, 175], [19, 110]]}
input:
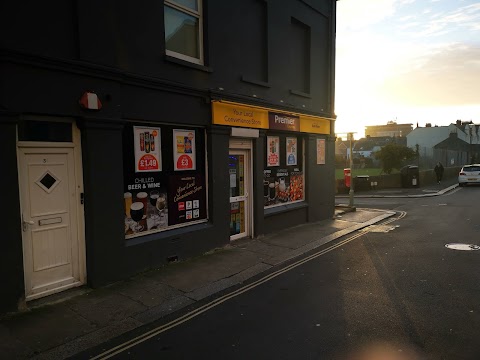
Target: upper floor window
{"points": [[183, 30]]}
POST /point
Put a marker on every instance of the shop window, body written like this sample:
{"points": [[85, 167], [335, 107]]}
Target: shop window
{"points": [[164, 178], [283, 181], [183, 30]]}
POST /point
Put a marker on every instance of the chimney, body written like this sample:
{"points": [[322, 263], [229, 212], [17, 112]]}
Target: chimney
{"points": [[428, 125], [459, 122]]}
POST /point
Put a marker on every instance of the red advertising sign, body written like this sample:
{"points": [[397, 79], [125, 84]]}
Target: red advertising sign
{"points": [[184, 162]]}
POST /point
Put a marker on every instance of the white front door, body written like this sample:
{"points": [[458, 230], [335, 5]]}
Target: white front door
{"points": [[50, 225], [239, 175]]}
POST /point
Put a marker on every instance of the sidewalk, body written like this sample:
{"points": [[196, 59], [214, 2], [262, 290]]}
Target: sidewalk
{"points": [[66, 324], [421, 191]]}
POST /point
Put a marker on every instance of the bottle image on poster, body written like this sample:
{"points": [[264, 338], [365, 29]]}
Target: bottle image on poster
{"points": [[184, 150], [146, 141]]}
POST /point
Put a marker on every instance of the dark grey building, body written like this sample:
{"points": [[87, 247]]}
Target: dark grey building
{"points": [[133, 134]]}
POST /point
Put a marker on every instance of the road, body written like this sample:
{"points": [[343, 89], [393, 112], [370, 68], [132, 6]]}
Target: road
{"points": [[394, 288]]}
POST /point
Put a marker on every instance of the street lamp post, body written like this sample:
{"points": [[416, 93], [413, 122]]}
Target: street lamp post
{"points": [[352, 191]]}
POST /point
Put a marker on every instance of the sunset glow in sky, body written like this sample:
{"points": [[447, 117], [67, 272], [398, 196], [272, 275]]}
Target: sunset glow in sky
{"points": [[407, 60]]}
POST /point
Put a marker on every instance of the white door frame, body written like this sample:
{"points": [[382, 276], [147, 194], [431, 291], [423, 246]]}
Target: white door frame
{"points": [[52, 147], [244, 146]]}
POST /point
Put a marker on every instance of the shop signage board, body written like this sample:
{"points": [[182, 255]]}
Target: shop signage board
{"points": [[239, 115], [184, 150], [279, 121], [273, 151], [320, 151], [310, 124], [147, 149]]}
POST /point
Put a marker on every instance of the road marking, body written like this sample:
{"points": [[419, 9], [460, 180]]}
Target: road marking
{"points": [[453, 191], [462, 247], [204, 308]]}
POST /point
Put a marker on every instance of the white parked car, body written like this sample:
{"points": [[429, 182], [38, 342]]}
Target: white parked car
{"points": [[470, 174]]}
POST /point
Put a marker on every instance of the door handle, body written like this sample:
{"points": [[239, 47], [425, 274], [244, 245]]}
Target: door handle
{"points": [[29, 222]]}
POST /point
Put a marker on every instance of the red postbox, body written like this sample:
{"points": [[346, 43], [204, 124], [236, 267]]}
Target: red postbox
{"points": [[347, 174]]}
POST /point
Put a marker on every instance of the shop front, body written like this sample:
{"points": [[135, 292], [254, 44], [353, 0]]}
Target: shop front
{"points": [[278, 169]]}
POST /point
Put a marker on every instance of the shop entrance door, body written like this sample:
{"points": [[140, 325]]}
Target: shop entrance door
{"points": [[239, 175], [50, 205]]}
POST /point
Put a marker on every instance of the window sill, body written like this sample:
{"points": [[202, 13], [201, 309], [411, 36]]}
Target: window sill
{"points": [[255, 82], [284, 208], [299, 93], [188, 64]]}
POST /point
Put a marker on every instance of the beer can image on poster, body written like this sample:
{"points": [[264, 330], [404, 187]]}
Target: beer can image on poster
{"points": [[147, 142], [147, 147]]}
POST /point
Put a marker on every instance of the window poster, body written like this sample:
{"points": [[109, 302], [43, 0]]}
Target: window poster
{"points": [[273, 151], [184, 150], [320, 151], [147, 149], [291, 151], [159, 198], [282, 186], [188, 201], [145, 205]]}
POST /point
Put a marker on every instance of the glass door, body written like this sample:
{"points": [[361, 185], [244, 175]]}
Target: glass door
{"points": [[239, 184]]}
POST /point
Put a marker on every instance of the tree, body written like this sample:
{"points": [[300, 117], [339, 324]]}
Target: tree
{"points": [[393, 156]]}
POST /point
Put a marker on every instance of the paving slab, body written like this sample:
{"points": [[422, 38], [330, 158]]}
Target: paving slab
{"points": [[199, 272], [167, 307], [115, 307], [45, 328], [147, 291], [264, 248]]}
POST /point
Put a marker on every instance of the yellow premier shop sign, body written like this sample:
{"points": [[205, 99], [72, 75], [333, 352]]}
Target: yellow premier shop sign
{"points": [[239, 115], [313, 124]]}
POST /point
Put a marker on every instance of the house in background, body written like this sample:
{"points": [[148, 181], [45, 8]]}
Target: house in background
{"points": [[392, 129], [453, 144]]}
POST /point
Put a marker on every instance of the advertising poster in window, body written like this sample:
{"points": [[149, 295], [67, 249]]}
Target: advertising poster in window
{"points": [[320, 151], [291, 151], [147, 149], [184, 150], [282, 186], [188, 200], [273, 151], [145, 204]]}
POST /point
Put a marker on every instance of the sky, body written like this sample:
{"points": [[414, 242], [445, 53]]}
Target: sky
{"points": [[410, 61]]}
